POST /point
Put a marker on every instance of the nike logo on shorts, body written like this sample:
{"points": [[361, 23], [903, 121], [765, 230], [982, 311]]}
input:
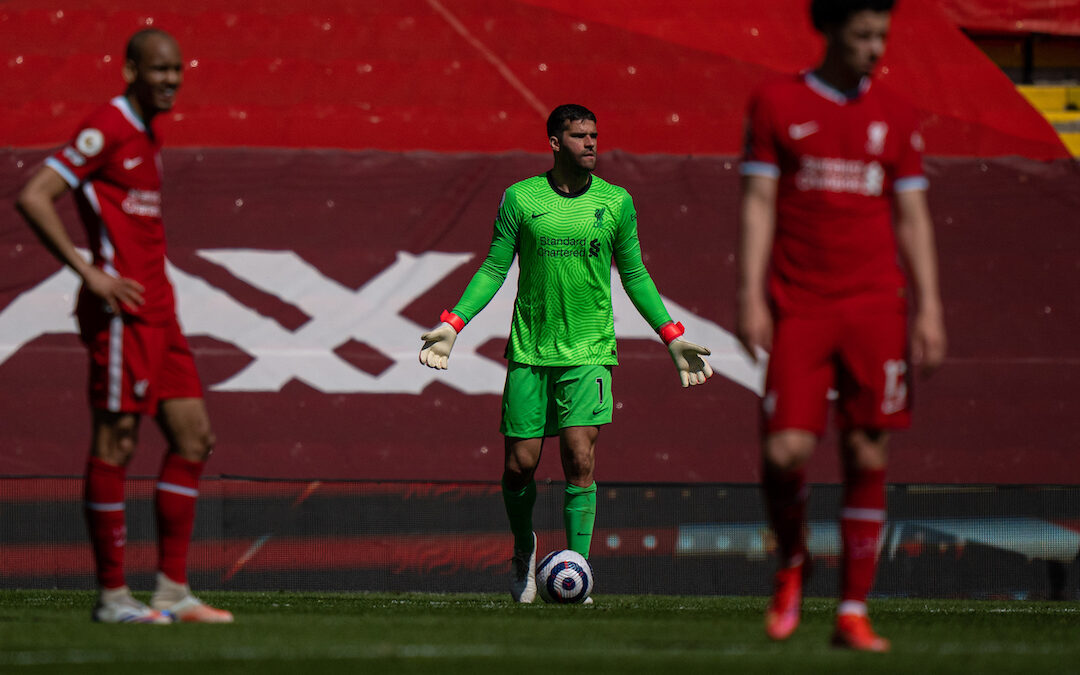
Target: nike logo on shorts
{"points": [[132, 162]]}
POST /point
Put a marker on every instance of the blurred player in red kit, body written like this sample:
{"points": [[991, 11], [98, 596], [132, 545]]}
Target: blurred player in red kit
{"points": [[833, 198], [140, 363]]}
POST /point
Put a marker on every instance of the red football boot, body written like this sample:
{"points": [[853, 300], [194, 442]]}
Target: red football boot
{"points": [[782, 617], [853, 631]]}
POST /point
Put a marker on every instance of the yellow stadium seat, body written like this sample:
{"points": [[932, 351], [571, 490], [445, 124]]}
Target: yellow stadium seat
{"points": [[1045, 98], [1072, 98], [1063, 117]]}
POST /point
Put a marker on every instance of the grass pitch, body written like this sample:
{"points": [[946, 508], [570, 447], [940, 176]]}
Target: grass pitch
{"points": [[329, 633]]}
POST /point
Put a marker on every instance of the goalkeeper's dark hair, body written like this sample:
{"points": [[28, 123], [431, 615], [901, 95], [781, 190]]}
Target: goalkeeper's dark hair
{"points": [[137, 43], [569, 112], [826, 13]]}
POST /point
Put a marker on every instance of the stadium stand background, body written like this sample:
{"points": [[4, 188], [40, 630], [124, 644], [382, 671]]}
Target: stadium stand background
{"points": [[332, 173], [1037, 44]]}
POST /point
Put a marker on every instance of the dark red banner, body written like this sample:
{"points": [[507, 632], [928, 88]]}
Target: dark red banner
{"points": [[305, 279]]}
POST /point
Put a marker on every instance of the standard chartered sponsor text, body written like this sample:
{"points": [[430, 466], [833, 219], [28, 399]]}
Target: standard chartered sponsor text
{"points": [[560, 247]]}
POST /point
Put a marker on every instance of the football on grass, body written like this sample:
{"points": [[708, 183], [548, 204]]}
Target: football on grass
{"points": [[564, 577]]}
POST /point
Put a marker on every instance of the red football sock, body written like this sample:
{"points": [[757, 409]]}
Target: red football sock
{"points": [[785, 501], [104, 505], [860, 530], [177, 491]]}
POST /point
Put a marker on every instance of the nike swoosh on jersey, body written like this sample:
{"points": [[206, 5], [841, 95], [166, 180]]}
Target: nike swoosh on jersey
{"points": [[537, 215], [801, 131], [132, 162]]}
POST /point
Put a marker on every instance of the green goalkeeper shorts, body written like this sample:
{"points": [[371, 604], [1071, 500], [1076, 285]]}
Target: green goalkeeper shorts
{"points": [[540, 400]]}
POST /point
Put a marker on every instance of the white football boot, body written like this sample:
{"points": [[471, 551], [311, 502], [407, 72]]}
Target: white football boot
{"points": [[115, 605], [177, 601], [523, 574]]}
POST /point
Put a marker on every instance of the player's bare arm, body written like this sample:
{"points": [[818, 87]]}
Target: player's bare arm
{"points": [[757, 225], [915, 239], [36, 204]]}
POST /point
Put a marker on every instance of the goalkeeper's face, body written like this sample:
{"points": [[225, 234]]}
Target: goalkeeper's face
{"points": [[861, 40], [576, 145]]}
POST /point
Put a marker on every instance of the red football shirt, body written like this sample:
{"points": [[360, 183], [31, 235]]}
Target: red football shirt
{"points": [[114, 167], [839, 161]]}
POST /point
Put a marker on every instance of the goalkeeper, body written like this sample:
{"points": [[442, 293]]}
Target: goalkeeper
{"points": [[566, 226]]}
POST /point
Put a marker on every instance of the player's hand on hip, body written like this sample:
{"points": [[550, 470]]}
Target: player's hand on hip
{"points": [[754, 327], [118, 293], [437, 345], [687, 357]]}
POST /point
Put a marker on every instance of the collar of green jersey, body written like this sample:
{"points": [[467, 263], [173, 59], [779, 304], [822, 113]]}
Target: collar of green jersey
{"points": [[568, 195]]}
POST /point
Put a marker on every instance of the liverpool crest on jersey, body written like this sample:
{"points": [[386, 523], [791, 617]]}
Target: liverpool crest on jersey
{"points": [[875, 137], [600, 216]]}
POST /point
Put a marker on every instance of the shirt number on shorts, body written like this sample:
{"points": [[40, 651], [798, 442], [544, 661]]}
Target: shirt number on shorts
{"points": [[895, 398], [600, 389]]}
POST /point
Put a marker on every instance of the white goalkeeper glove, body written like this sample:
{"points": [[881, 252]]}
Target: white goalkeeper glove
{"points": [[439, 341], [687, 356]]}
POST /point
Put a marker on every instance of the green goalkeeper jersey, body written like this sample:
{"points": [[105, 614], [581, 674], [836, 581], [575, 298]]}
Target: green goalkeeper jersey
{"points": [[565, 245]]}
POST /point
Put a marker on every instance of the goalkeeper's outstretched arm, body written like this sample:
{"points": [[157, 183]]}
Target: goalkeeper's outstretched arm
{"points": [[639, 286], [487, 281]]}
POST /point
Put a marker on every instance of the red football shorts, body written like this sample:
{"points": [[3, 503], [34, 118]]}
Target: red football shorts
{"points": [[861, 355], [134, 365]]}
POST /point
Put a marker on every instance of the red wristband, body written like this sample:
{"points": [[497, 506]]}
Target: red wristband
{"points": [[670, 331], [453, 319]]}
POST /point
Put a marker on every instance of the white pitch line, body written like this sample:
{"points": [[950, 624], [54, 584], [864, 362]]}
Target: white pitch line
{"points": [[494, 60], [993, 610]]}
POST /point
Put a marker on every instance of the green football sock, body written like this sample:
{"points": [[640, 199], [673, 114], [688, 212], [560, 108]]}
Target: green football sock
{"points": [[519, 509], [579, 513]]}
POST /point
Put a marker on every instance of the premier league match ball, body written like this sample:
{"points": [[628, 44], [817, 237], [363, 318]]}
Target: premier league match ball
{"points": [[564, 577]]}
